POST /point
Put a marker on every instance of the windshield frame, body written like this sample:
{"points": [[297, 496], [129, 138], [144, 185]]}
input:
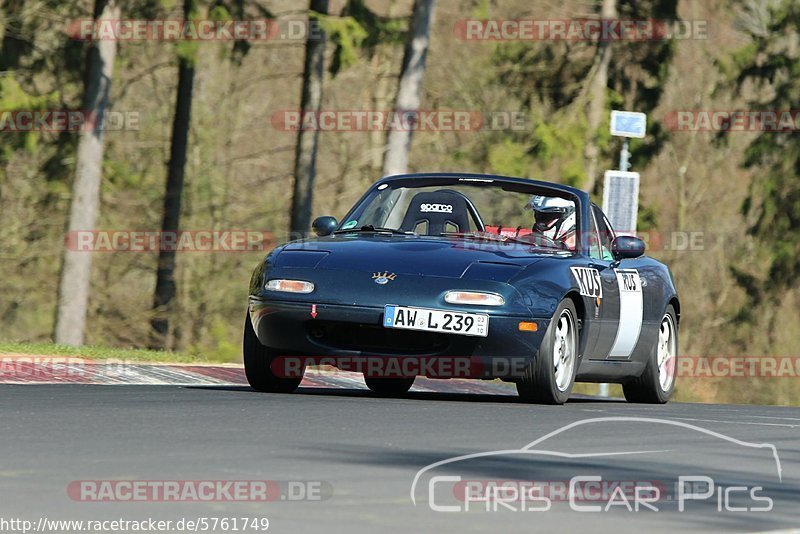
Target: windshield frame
{"points": [[516, 185]]}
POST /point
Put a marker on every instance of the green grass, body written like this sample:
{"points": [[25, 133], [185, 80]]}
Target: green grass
{"points": [[106, 353], [581, 388]]}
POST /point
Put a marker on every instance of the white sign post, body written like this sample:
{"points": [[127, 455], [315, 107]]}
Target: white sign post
{"points": [[628, 124], [621, 200], [621, 188]]}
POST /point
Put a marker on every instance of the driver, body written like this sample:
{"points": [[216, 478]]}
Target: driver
{"points": [[554, 218]]}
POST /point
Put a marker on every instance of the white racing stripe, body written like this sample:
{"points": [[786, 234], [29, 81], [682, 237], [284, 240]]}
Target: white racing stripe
{"points": [[630, 313]]}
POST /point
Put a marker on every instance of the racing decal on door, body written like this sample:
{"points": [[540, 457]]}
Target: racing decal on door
{"points": [[588, 281], [630, 313]]}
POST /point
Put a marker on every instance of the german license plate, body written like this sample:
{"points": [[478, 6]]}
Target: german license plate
{"points": [[448, 322]]}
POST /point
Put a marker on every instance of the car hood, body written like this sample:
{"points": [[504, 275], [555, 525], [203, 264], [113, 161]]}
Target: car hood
{"points": [[412, 255]]}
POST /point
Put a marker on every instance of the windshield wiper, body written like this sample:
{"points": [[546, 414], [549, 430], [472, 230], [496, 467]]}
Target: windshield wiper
{"points": [[373, 229], [488, 236], [495, 238]]}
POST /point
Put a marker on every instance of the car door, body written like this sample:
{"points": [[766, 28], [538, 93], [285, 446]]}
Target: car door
{"points": [[623, 312], [605, 309]]}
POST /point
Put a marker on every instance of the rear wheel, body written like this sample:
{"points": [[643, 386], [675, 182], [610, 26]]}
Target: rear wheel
{"points": [[389, 387], [657, 383], [257, 364], [549, 378]]}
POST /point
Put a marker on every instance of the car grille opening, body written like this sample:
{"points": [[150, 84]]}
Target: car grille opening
{"points": [[372, 338]]}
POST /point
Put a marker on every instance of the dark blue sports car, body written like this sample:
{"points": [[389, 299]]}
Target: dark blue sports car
{"points": [[464, 275]]}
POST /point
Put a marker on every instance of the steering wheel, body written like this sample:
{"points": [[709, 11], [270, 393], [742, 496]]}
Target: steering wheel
{"points": [[540, 240]]}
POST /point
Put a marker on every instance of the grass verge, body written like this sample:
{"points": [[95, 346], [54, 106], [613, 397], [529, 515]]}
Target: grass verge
{"points": [[105, 353]]}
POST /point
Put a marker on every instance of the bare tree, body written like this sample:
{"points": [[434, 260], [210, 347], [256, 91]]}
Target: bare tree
{"points": [[597, 100], [305, 162], [409, 89], [13, 46], [163, 301], [73, 288]]}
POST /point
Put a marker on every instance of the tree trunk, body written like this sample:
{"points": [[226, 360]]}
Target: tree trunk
{"points": [[13, 46], [305, 162], [73, 288], [409, 89], [165, 276], [380, 99], [597, 101]]}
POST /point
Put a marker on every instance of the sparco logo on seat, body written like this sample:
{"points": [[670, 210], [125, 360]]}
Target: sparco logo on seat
{"points": [[438, 208]]}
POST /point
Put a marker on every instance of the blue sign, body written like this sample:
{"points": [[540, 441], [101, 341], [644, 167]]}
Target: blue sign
{"points": [[628, 124]]}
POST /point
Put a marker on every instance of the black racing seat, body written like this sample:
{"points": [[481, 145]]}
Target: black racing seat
{"points": [[440, 211]]}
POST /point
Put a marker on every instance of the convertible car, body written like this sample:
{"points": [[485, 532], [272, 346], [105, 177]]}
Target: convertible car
{"points": [[472, 276]]}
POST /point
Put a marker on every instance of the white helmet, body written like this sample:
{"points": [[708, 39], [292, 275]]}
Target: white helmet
{"points": [[554, 216]]}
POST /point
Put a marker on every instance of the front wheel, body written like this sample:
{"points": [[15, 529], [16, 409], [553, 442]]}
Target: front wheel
{"points": [[657, 383], [258, 361], [549, 378]]}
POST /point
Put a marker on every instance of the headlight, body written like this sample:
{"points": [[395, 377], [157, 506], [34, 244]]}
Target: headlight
{"points": [[289, 286], [475, 298]]}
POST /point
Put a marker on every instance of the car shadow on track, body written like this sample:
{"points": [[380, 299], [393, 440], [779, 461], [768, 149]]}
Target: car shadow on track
{"points": [[701, 514], [411, 395]]}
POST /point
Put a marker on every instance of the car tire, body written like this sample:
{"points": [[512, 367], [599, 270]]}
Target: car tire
{"points": [[257, 364], [657, 382], [549, 378], [389, 387]]}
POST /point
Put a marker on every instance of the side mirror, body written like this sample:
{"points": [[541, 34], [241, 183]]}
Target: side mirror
{"points": [[323, 226], [627, 247]]}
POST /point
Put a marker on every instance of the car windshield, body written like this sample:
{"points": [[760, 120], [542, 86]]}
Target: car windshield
{"points": [[468, 211]]}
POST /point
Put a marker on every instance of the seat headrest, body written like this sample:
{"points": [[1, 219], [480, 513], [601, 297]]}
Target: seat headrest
{"points": [[437, 209]]}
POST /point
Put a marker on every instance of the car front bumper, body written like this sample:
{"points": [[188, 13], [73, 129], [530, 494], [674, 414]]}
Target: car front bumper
{"points": [[340, 335]]}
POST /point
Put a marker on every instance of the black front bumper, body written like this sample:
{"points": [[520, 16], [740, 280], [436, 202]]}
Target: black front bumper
{"points": [[346, 332]]}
